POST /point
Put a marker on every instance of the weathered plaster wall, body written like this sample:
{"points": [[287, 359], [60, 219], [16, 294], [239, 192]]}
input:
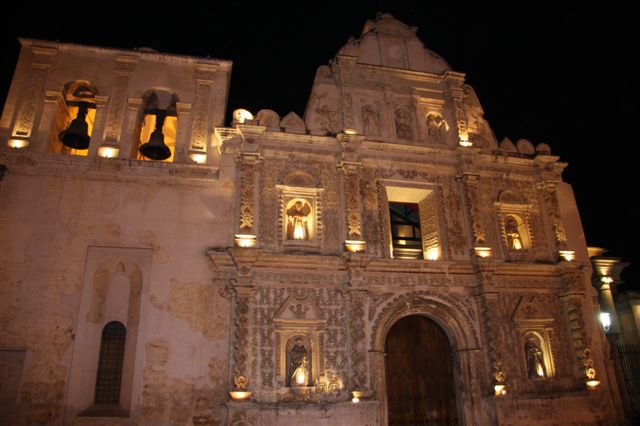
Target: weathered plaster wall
{"points": [[48, 223]]}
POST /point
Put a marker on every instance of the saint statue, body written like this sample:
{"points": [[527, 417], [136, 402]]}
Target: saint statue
{"points": [[513, 236], [297, 216], [404, 124], [370, 120], [298, 359], [437, 128], [535, 363]]}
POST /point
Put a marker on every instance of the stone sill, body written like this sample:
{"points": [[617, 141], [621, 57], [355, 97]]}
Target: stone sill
{"points": [[25, 162]]}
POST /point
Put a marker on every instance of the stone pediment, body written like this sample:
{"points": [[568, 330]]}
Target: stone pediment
{"points": [[531, 310], [388, 42], [299, 310]]}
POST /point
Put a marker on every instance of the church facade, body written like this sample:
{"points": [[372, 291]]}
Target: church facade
{"points": [[383, 260]]}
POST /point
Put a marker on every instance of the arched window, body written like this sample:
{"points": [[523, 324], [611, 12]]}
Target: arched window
{"points": [[73, 123], [109, 375], [158, 126]]}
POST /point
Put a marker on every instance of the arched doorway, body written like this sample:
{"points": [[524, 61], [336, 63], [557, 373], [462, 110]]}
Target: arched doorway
{"points": [[419, 374]]}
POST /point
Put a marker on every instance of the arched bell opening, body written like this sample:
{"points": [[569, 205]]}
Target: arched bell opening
{"points": [[73, 124], [158, 126]]}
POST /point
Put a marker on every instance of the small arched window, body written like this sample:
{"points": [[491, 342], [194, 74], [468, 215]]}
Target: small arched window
{"points": [[109, 377], [74, 121], [158, 126]]}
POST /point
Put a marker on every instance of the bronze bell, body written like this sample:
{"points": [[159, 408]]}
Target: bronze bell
{"points": [[76, 136], [156, 149]]}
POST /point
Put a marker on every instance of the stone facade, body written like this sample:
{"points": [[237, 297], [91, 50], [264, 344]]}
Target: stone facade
{"points": [[278, 230]]}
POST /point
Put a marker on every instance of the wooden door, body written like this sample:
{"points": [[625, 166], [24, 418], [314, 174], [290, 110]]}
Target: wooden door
{"points": [[419, 373]]}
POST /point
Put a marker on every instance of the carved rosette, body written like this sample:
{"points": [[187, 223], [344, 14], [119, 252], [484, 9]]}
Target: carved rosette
{"points": [[247, 183], [473, 200], [553, 210], [352, 195], [357, 334], [125, 65], [42, 58]]}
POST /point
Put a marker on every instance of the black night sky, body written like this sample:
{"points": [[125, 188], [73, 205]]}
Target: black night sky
{"points": [[544, 72]]}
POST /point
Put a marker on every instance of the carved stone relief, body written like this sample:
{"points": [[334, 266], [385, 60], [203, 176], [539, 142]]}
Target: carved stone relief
{"points": [[200, 132], [41, 60], [318, 317], [247, 184]]}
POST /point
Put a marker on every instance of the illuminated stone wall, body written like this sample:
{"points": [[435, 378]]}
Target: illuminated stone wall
{"points": [[218, 287]]}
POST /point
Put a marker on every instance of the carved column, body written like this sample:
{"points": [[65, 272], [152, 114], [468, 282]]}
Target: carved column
{"points": [[351, 178], [125, 65], [346, 69], [184, 118], [572, 296], [200, 126], [470, 183], [30, 97], [550, 195], [241, 301], [358, 351], [247, 163], [98, 126], [487, 298], [455, 82]]}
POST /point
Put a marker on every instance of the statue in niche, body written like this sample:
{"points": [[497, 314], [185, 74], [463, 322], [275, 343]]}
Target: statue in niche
{"points": [[514, 240], [535, 358], [297, 218], [404, 124], [437, 128], [370, 120], [298, 364]]}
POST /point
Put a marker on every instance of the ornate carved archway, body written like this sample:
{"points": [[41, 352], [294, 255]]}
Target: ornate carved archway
{"points": [[458, 321]]}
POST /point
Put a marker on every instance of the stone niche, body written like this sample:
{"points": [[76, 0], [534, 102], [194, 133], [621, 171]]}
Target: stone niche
{"points": [[300, 218], [299, 330]]}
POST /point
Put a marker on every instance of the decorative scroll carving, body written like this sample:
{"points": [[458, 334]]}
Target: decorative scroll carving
{"points": [[471, 191], [29, 101], [553, 210]]}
